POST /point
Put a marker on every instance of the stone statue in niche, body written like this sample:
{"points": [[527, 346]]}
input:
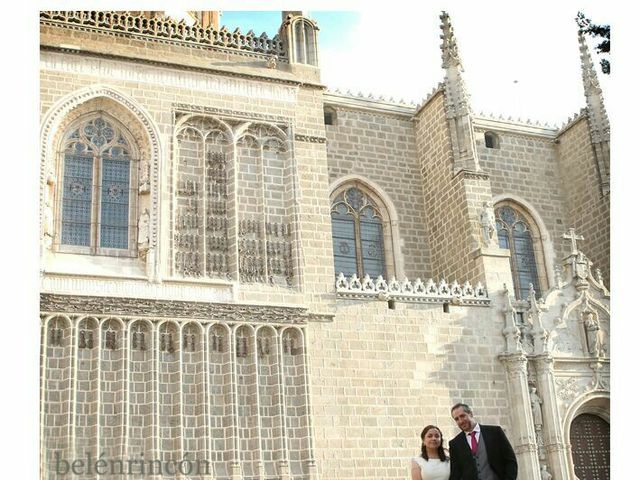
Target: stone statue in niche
{"points": [[488, 225], [47, 214], [536, 407], [143, 182], [143, 231], [594, 334], [544, 474]]}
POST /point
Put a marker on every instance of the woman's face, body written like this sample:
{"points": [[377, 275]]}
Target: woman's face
{"points": [[432, 439]]}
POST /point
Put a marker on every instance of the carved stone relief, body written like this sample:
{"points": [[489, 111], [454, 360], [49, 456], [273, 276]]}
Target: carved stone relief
{"points": [[279, 252], [217, 258], [562, 339], [250, 250]]}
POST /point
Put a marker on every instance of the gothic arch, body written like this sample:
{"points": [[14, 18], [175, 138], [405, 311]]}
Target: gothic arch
{"points": [[69, 107], [394, 262], [542, 238], [594, 403], [305, 43]]}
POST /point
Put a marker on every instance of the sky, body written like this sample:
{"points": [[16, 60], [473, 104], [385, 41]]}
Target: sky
{"points": [[519, 63]]}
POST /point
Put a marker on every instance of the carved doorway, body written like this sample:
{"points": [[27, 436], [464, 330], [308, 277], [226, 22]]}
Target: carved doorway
{"points": [[590, 442]]}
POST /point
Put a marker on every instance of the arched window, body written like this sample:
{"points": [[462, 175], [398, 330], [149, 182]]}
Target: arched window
{"points": [[491, 140], [304, 33], [357, 222], [519, 234], [96, 209]]}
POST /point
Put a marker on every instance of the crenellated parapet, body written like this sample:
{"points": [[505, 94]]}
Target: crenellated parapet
{"points": [[140, 25], [408, 291]]}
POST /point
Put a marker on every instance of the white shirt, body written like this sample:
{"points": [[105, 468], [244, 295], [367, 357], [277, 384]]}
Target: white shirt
{"points": [[434, 469], [468, 435]]}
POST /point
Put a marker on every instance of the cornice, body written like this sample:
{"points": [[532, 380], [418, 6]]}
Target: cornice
{"points": [[509, 126], [281, 78], [204, 311], [368, 104]]}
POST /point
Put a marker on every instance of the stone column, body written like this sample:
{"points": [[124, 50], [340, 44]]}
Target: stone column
{"points": [[555, 447], [523, 430]]}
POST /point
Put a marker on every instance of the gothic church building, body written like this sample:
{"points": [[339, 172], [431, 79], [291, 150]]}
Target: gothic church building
{"points": [[246, 270]]}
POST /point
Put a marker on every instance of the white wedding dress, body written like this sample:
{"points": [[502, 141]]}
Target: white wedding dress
{"points": [[434, 469]]}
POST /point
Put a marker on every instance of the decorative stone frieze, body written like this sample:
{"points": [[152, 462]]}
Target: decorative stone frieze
{"points": [[182, 108], [171, 308], [310, 139], [407, 291], [526, 448]]}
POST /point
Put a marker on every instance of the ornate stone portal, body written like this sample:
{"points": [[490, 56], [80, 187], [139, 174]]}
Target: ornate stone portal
{"points": [[567, 330]]}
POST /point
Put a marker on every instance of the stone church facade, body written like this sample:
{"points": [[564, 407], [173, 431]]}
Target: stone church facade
{"points": [[247, 276]]}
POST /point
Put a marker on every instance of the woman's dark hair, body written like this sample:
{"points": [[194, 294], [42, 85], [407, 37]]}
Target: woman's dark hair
{"points": [[423, 447]]}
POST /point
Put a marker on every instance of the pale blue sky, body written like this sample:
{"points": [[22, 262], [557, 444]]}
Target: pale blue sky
{"points": [[519, 62]]}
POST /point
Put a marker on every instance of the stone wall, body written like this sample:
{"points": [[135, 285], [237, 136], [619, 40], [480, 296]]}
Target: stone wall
{"points": [[378, 376], [380, 147], [451, 202], [587, 209], [526, 167]]}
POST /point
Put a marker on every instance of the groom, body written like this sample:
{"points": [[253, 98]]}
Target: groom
{"points": [[480, 452]]}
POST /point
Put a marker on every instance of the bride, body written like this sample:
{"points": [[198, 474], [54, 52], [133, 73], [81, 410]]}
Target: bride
{"points": [[432, 464]]}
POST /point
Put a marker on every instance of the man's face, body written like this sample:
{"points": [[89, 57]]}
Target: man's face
{"points": [[465, 420]]}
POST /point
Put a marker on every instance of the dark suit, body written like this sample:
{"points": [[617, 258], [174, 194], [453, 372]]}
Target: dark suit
{"points": [[501, 456]]}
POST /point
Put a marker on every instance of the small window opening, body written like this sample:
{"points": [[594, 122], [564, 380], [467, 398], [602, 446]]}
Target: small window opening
{"points": [[391, 304], [490, 140], [445, 307], [329, 116]]}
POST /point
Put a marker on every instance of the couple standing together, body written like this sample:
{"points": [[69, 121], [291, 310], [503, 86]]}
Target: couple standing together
{"points": [[478, 452]]}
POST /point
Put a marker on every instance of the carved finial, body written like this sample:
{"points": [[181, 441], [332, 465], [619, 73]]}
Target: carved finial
{"points": [[511, 332], [450, 55], [532, 298], [598, 119], [573, 237], [540, 335]]}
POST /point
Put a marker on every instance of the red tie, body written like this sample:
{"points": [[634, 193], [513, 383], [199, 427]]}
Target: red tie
{"points": [[474, 443]]}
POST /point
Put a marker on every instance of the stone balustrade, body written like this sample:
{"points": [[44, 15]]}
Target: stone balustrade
{"points": [[407, 291], [168, 29]]}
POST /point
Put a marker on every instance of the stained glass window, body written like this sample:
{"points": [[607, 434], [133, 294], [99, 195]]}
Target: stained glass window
{"points": [[96, 187], [358, 242], [514, 233]]}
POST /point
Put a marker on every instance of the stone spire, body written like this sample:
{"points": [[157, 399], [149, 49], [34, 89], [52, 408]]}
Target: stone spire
{"points": [[597, 114], [457, 108]]}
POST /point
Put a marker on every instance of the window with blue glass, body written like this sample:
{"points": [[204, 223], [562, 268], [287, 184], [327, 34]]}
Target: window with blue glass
{"points": [[358, 239], [96, 196], [515, 233]]}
